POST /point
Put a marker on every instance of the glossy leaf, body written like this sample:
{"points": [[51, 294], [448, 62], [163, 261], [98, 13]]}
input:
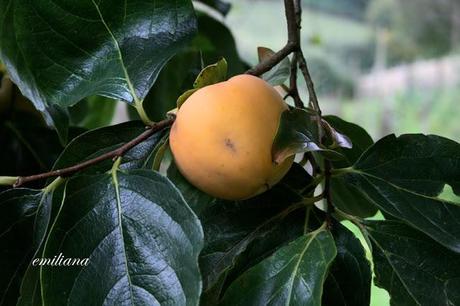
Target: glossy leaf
{"points": [[293, 275], [348, 198], [339, 140], [297, 133], [412, 267], [144, 250], [351, 199], [280, 72], [96, 142], [196, 199], [349, 279], [71, 50], [31, 212], [360, 139], [18, 208], [403, 177], [230, 227]]}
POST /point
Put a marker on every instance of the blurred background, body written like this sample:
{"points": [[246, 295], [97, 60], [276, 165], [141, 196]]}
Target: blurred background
{"points": [[388, 65]]}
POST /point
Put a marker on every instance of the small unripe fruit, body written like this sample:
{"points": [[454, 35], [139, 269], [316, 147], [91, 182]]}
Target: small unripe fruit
{"points": [[223, 136]]}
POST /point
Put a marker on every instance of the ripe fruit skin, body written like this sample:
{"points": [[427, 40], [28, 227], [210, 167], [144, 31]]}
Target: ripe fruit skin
{"points": [[223, 135]]}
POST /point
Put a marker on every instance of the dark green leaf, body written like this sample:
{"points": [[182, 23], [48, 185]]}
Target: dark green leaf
{"points": [[71, 50], [360, 139], [93, 112], [349, 279], [339, 140], [297, 132], [196, 199], [96, 142], [293, 275], [279, 73], [348, 198], [403, 176], [28, 214], [222, 6], [413, 268], [18, 208], [143, 251], [230, 227]]}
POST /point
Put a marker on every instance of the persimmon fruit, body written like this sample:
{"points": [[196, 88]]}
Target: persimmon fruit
{"points": [[222, 138]]}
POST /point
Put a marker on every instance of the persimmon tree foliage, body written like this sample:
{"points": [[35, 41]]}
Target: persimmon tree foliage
{"points": [[75, 185]]}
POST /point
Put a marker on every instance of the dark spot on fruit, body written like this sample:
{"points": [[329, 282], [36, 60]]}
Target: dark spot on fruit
{"points": [[230, 145]]}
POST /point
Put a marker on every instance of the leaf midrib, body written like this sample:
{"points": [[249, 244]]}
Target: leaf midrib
{"points": [[120, 56]]}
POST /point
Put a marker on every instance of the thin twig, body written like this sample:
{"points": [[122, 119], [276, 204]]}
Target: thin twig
{"points": [[109, 155], [272, 61], [293, 90], [309, 81]]}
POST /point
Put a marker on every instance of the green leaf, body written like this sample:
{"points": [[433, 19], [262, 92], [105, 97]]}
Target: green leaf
{"points": [[230, 227], [69, 51], [360, 139], [212, 74], [196, 199], [351, 199], [345, 197], [413, 268], [18, 208], [143, 251], [349, 279], [348, 198], [297, 133], [97, 142], [280, 72], [93, 112], [29, 213], [403, 177], [183, 97], [221, 6], [293, 275]]}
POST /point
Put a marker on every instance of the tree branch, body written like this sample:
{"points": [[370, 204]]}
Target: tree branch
{"points": [[109, 155], [310, 85], [272, 61]]}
